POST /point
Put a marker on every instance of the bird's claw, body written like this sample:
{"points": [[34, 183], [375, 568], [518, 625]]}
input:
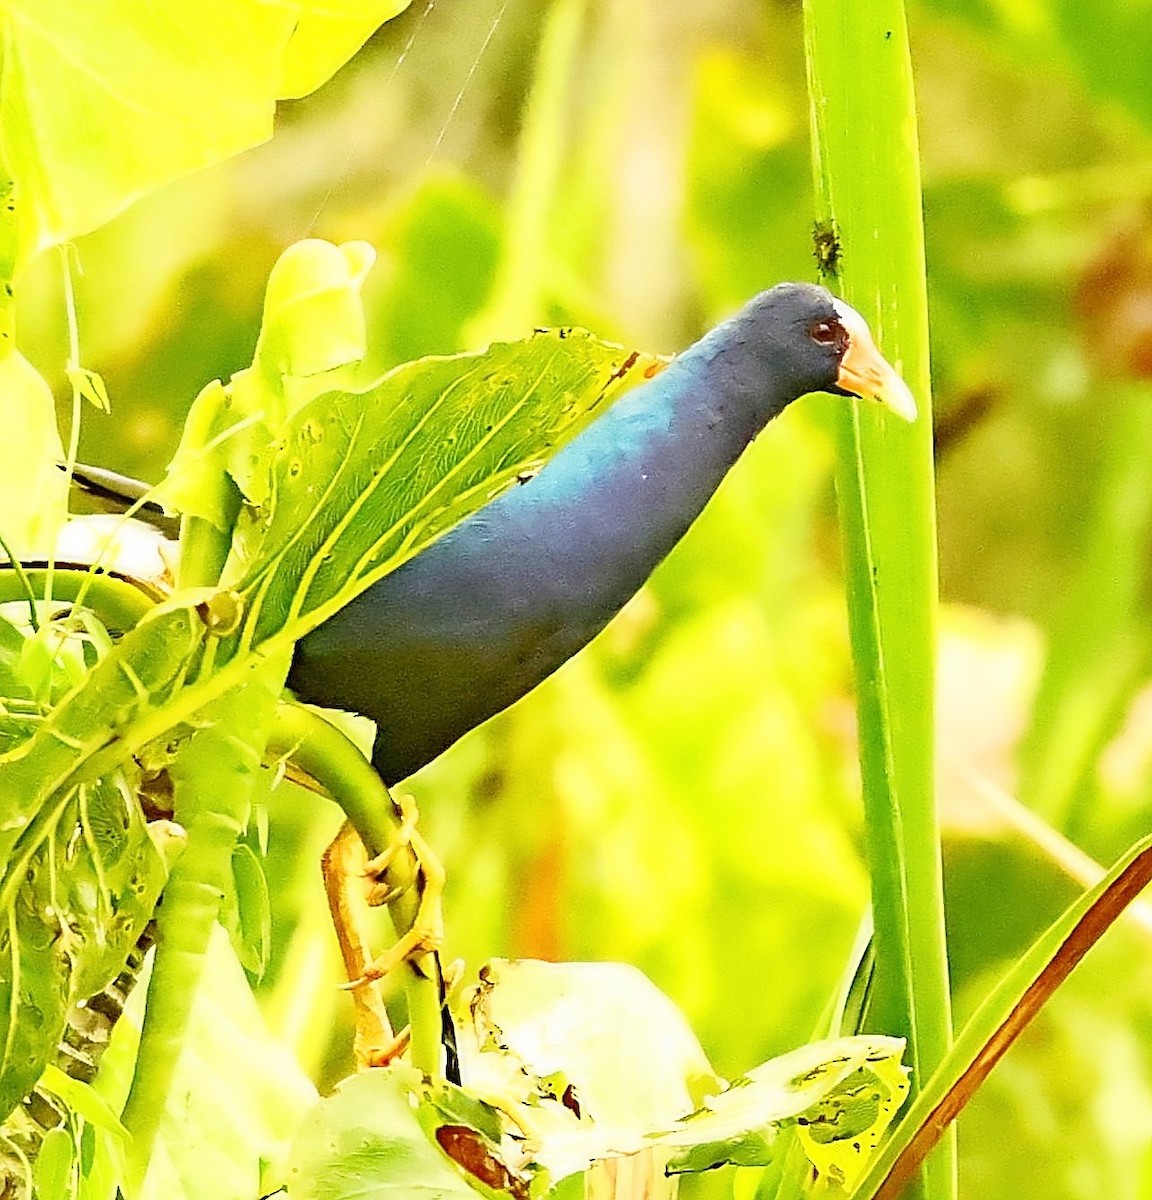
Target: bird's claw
{"points": [[376, 869], [427, 932]]}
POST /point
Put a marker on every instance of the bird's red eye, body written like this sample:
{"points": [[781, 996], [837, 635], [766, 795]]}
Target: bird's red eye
{"points": [[828, 333]]}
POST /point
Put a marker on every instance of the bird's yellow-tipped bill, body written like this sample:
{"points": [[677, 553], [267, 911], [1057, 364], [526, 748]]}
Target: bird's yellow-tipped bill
{"points": [[865, 372]]}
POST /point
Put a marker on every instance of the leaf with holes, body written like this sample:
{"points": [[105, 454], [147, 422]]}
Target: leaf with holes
{"points": [[361, 481], [68, 920], [92, 730]]}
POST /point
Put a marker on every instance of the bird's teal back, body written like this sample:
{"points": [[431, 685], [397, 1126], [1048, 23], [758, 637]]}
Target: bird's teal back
{"points": [[484, 614]]}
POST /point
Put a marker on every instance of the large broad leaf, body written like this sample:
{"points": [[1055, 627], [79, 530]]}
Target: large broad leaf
{"points": [[586, 1067], [361, 481], [365, 1142], [81, 875], [606, 1066], [325, 36], [238, 1096], [68, 921], [104, 100]]}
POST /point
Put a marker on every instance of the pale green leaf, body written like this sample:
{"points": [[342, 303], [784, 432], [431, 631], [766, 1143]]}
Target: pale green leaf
{"points": [[75, 898], [33, 490], [326, 36], [91, 386], [360, 481], [237, 1098], [248, 918], [604, 1028], [147, 666], [82, 1099], [52, 1172], [104, 100], [364, 1142], [313, 326], [218, 443], [842, 1131], [313, 317], [598, 1064]]}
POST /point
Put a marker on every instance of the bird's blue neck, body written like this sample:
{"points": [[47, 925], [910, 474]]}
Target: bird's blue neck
{"points": [[609, 507], [485, 613]]}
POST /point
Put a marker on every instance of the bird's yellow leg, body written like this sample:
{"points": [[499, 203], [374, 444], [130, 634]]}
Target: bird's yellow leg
{"points": [[342, 866], [320, 756]]}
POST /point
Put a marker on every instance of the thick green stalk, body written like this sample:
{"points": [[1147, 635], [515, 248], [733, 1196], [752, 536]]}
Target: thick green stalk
{"points": [[214, 775], [118, 603], [868, 183]]}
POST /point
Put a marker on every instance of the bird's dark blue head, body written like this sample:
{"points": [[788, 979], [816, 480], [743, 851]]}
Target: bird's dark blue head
{"points": [[797, 338]]}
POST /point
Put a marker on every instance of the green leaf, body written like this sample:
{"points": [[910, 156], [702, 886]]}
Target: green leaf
{"points": [[91, 386], [110, 880], [597, 1064], [70, 917], [1000, 1020], [219, 442], [238, 1095], [364, 1142], [313, 327], [33, 490], [813, 1086], [841, 1132], [81, 874], [147, 666], [866, 164], [249, 919], [603, 1028], [327, 34], [82, 1099], [313, 317], [52, 1172], [361, 481], [105, 100]]}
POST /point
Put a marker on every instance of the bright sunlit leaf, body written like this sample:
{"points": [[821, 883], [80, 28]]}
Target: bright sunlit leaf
{"points": [[105, 100], [327, 34], [33, 489]]}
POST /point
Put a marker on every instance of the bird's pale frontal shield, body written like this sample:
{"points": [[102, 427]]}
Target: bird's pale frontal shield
{"points": [[865, 372]]}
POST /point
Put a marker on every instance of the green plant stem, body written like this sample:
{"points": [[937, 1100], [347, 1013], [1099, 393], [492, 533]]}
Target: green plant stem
{"points": [[23, 585], [1000, 1020], [203, 550], [118, 603], [214, 775], [324, 753], [868, 183]]}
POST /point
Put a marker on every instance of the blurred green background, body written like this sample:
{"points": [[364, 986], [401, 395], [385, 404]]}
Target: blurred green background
{"points": [[684, 795]]}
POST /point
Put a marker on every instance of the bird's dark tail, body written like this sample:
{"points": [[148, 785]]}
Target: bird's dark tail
{"points": [[448, 1032], [120, 493]]}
